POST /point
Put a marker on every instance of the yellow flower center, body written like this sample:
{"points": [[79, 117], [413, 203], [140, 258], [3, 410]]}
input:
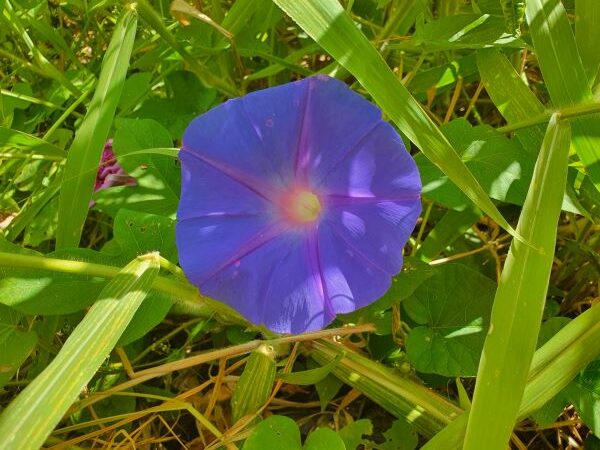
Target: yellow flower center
{"points": [[302, 206]]}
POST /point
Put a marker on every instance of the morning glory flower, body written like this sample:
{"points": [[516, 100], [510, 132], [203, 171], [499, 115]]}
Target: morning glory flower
{"points": [[296, 202]]}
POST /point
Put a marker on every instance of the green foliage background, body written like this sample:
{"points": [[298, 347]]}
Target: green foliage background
{"points": [[488, 335]]}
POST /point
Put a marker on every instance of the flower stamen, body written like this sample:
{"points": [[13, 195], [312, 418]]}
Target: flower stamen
{"points": [[301, 206]]}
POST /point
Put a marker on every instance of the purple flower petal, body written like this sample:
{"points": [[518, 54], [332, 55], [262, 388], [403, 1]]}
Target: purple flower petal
{"points": [[296, 203], [335, 121], [206, 190], [379, 166], [351, 278], [254, 136], [275, 285], [211, 244]]}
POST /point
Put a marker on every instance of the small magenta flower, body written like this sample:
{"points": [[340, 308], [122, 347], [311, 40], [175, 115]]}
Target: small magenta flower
{"points": [[296, 202], [110, 173]]}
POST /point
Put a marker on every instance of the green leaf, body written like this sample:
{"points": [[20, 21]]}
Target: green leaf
{"points": [[565, 76], [328, 24], [584, 394], [84, 154], [514, 14], [136, 233], [255, 385], [452, 309], [43, 226], [152, 18], [450, 227], [445, 76], [519, 301], [310, 376], [37, 291], [400, 436], [327, 389], [274, 433], [16, 344], [32, 416], [157, 176], [547, 414], [136, 87], [179, 108], [550, 327], [553, 367], [498, 163], [353, 433], [324, 439], [400, 395]]}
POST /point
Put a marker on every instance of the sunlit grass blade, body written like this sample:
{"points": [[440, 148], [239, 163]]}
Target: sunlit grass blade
{"points": [[554, 365], [587, 35], [14, 139], [328, 24], [520, 299], [556, 52], [565, 76], [31, 417], [85, 152], [512, 97]]}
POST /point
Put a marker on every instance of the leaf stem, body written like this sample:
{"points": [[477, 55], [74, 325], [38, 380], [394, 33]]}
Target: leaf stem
{"points": [[565, 113]]}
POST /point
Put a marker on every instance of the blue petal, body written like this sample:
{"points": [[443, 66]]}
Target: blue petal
{"points": [[210, 244], [276, 285], [352, 279], [336, 119], [255, 136], [206, 190], [378, 166], [375, 230]]}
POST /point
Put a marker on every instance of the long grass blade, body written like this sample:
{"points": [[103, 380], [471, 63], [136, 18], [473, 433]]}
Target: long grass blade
{"points": [[587, 35], [31, 417], [328, 24], [519, 301], [85, 152], [565, 76]]}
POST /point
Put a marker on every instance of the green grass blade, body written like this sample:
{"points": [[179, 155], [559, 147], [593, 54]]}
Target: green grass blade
{"points": [[565, 76], [14, 139], [557, 52], [587, 35], [512, 97], [31, 417], [85, 152], [328, 24], [519, 301]]}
